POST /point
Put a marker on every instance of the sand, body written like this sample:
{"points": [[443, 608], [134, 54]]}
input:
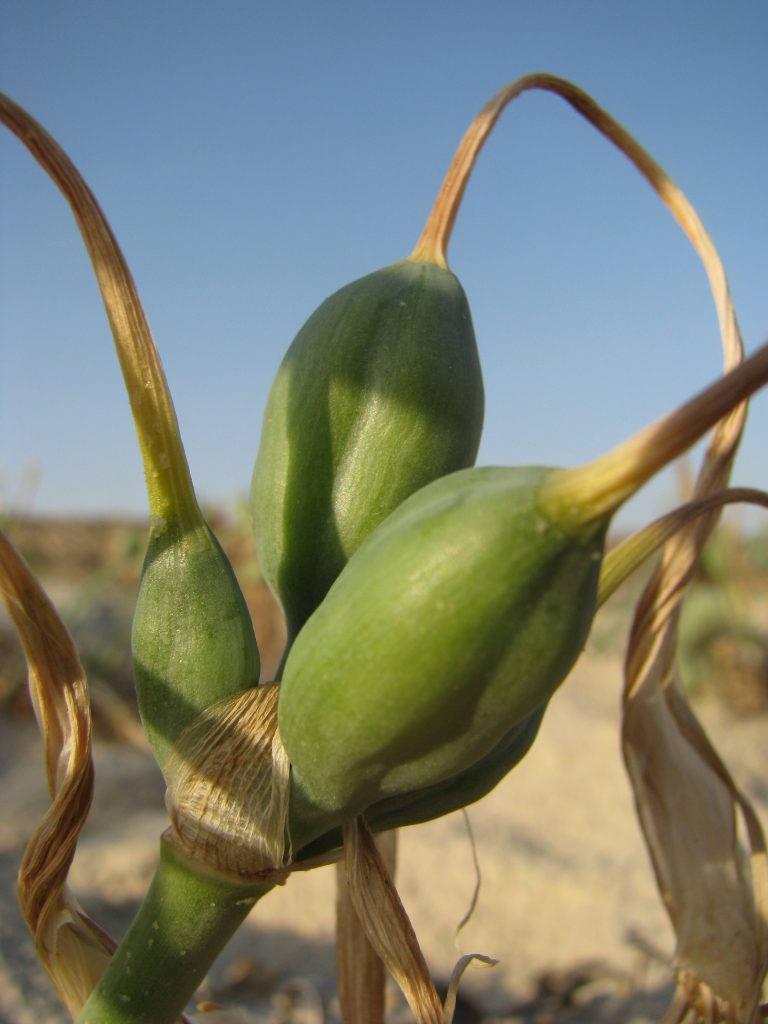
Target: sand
{"points": [[567, 902]]}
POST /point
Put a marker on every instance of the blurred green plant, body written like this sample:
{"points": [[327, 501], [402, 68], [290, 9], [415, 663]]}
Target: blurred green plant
{"points": [[723, 632]]}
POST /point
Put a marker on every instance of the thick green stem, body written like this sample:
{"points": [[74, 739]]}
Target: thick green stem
{"points": [[187, 918]]}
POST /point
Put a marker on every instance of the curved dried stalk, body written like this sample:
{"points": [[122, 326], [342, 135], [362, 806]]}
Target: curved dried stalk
{"points": [[433, 242], [687, 803], [169, 484], [654, 705], [73, 948]]}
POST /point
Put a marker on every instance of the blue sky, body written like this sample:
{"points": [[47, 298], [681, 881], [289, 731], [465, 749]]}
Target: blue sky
{"points": [[254, 157]]}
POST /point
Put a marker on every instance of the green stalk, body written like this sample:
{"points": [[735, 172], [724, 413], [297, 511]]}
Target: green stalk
{"points": [[627, 556], [185, 921]]}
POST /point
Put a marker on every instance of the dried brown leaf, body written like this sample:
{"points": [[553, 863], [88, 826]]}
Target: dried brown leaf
{"points": [[386, 923], [707, 849], [228, 785], [73, 948], [711, 872], [389, 929], [703, 836]]}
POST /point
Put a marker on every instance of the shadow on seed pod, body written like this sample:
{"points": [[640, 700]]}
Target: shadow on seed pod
{"points": [[441, 798]]}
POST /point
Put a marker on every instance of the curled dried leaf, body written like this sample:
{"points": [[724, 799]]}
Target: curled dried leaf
{"points": [[703, 836], [705, 841], [228, 785], [389, 929], [387, 925], [707, 849], [711, 872], [73, 949]]}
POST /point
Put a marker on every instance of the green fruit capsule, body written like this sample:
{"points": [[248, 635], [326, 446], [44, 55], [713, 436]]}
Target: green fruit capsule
{"points": [[193, 641], [452, 625], [379, 394], [458, 618]]}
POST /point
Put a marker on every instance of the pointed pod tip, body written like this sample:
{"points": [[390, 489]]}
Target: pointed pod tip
{"points": [[594, 492], [580, 497], [428, 250]]}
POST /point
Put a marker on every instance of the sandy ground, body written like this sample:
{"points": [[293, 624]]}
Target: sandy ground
{"points": [[566, 885]]}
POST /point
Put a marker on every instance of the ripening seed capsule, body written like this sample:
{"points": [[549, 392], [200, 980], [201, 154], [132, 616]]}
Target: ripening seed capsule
{"points": [[459, 617], [379, 394], [452, 625]]}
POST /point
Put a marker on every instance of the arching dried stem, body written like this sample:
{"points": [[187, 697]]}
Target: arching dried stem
{"points": [[168, 482], [433, 242]]}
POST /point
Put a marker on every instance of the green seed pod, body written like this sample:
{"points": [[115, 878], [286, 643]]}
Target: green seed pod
{"points": [[193, 641], [459, 617], [452, 625], [380, 393]]}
